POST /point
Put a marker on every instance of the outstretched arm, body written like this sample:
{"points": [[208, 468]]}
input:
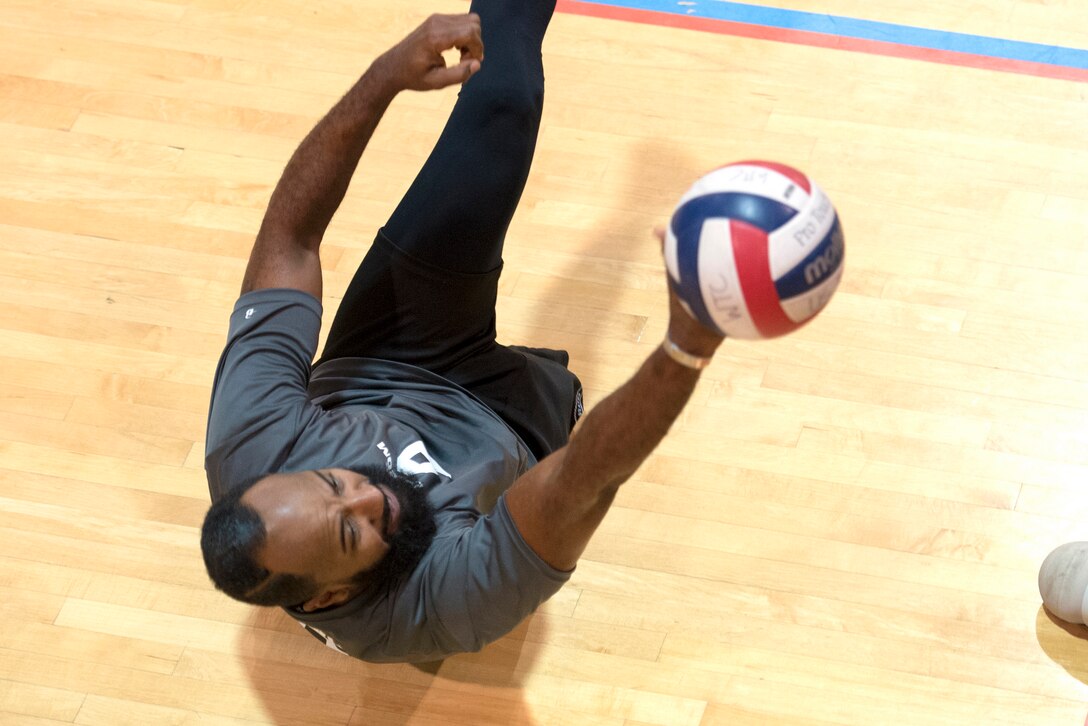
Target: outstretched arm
{"points": [[558, 504], [316, 178]]}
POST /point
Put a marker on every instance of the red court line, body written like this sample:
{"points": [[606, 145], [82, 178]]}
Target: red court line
{"points": [[822, 40]]}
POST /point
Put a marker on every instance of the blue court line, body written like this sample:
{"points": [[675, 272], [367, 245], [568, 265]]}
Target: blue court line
{"points": [[837, 25]]}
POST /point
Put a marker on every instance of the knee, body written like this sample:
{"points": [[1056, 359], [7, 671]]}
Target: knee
{"points": [[514, 104]]}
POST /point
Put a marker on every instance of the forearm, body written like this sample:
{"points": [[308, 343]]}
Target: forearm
{"points": [[316, 178], [623, 429], [560, 502], [313, 185]]}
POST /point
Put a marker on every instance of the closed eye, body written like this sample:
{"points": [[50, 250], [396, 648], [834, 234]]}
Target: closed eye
{"points": [[353, 533], [347, 530], [330, 480]]}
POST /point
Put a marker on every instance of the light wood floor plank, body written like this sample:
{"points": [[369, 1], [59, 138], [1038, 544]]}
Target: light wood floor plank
{"points": [[843, 529]]}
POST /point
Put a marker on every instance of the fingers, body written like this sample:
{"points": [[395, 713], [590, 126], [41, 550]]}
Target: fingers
{"points": [[685, 330], [659, 232], [457, 31], [447, 76], [468, 55], [473, 45], [440, 33]]}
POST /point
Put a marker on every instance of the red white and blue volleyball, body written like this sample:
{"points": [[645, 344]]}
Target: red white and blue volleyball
{"points": [[754, 250]]}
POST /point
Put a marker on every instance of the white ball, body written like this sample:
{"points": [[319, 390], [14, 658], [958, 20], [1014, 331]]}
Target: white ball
{"points": [[1063, 582], [754, 250]]}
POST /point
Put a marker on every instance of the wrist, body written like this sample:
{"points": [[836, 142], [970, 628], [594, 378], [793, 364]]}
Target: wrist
{"points": [[683, 357], [384, 78]]}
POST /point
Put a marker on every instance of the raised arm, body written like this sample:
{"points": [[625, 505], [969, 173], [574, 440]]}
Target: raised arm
{"points": [[316, 178], [558, 504]]}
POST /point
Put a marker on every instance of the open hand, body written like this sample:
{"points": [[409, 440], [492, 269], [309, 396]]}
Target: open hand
{"points": [[689, 334]]}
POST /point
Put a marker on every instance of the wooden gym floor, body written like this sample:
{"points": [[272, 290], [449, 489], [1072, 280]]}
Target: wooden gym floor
{"points": [[845, 526]]}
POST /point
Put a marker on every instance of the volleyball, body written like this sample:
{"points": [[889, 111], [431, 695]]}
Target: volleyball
{"points": [[754, 250], [1063, 582]]}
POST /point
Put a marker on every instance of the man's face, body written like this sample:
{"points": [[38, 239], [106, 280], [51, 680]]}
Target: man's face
{"points": [[330, 524]]}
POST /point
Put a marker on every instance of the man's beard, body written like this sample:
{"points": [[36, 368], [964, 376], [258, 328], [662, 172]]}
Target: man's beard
{"points": [[414, 534]]}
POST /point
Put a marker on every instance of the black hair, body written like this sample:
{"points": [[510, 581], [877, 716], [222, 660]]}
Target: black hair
{"points": [[232, 535]]}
